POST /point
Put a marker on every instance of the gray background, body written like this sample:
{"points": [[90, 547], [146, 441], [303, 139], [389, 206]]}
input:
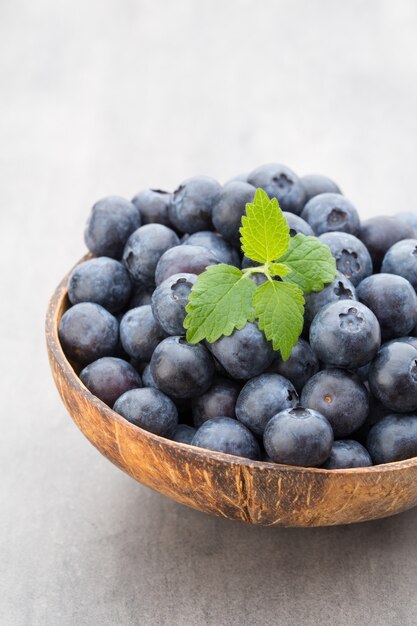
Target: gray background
{"points": [[111, 96]]}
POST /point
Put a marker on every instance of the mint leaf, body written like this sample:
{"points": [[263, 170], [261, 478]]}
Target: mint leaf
{"points": [[278, 269], [219, 302], [310, 263], [224, 297], [265, 232], [279, 308]]}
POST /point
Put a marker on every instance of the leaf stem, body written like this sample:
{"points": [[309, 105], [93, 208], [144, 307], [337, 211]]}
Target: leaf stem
{"points": [[259, 269], [262, 269]]}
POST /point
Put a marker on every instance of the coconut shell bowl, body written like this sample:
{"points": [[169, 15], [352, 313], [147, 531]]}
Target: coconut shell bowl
{"points": [[260, 493]]}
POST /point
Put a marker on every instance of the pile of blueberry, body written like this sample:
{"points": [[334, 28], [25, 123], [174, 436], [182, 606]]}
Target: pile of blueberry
{"points": [[347, 396]]}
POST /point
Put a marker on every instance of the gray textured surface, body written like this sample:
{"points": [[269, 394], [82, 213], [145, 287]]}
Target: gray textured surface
{"points": [[107, 97]]}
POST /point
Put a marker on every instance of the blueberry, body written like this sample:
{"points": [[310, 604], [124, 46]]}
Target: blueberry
{"points": [[339, 289], [264, 456], [140, 333], [229, 209], [147, 378], [280, 182], [352, 258], [401, 259], [394, 438], [261, 398], [169, 301], [331, 212], [380, 233], [108, 378], [301, 365], [394, 302], [409, 218], [258, 278], [345, 334], [140, 296], [216, 244], [120, 352], [376, 412], [219, 369], [137, 364], [246, 262], [393, 376], [298, 225], [298, 437], [227, 435], [184, 410], [220, 399], [103, 281], [153, 206], [111, 222], [184, 259], [316, 184], [363, 372], [340, 397], [143, 250], [192, 204], [410, 340], [184, 433], [182, 370], [245, 353], [149, 409], [347, 453], [88, 332]]}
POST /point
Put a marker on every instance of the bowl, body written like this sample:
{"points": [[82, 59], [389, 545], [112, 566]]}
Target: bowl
{"points": [[260, 493]]}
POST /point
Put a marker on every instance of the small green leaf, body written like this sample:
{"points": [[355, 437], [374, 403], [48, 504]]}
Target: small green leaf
{"points": [[220, 301], [278, 269], [279, 308], [310, 263], [265, 232]]}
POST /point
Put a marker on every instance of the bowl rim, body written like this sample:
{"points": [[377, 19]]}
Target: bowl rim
{"points": [[57, 302]]}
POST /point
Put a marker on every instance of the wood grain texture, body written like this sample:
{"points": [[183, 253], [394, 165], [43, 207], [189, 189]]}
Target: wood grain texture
{"points": [[236, 488]]}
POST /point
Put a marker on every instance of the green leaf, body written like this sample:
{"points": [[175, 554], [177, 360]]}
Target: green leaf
{"points": [[278, 269], [279, 308], [225, 297], [220, 301], [310, 263], [265, 232]]}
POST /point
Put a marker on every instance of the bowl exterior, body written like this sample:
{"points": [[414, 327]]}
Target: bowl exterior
{"points": [[258, 493]]}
